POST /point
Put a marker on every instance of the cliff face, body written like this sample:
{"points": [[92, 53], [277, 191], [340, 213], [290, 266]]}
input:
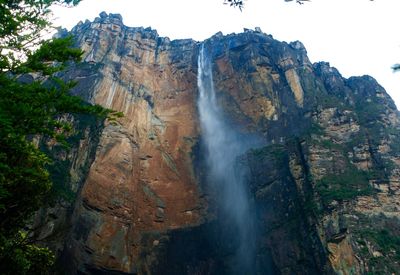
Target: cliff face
{"points": [[325, 182]]}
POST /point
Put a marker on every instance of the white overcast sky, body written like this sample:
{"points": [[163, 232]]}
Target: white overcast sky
{"points": [[356, 36]]}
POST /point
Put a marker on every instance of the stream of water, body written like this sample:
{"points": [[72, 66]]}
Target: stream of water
{"points": [[223, 145]]}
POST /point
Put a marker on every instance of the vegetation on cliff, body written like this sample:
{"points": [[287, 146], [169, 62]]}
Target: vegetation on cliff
{"points": [[322, 158], [32, 100]]}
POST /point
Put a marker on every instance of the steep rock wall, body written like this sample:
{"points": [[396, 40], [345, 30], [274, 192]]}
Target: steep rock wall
{"points": [[326, 182], [142, 178]]}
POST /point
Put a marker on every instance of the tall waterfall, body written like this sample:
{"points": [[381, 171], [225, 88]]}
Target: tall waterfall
{"points": [[223, 145]]}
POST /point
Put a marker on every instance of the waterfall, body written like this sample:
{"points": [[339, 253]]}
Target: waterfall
{"points": [[222, 147]]}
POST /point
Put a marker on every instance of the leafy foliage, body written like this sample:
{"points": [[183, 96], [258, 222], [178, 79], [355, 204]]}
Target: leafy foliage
{"points": [[18, 256], [347, 185], [63, 184], [32, 99], [22, 26], [235, 3], [387, 242]]}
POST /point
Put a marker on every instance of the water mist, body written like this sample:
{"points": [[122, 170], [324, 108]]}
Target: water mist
{"points": [[223, 145]]}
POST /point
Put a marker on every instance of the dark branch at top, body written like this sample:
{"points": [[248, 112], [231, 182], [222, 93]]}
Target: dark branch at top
{"points": [[240, 3]]}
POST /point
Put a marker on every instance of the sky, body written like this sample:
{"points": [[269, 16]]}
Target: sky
{"points": [[357, 37]]}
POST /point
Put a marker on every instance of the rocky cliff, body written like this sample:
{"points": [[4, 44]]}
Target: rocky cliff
{"points": [[324, 178]]}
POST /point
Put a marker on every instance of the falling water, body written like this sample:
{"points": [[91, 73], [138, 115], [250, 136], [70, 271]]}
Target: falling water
{"points": [[223, 145]]}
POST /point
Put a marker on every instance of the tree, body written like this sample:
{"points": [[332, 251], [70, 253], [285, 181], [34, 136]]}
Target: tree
{"points": [[240, 3], [29, 109], [22, 24]]}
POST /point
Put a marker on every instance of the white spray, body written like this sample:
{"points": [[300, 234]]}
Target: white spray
{"points": [[223, 145]]}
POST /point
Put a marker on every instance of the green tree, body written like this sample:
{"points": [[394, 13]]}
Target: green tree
{"points": [[30, 109], [22, 26]]}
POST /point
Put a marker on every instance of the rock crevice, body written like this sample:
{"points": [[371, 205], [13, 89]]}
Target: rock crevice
{"points": [[325, 181]]}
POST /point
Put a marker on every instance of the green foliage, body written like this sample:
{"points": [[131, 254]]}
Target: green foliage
{"points": [[56, 52], [344, 186], [368, 112], [22, 26], [386, 242], [370, 118], [30, 109], [59, 168], [21, 257], [315, 129]]}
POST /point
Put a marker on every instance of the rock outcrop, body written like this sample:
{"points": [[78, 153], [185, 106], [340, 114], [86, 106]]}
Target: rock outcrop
{"points": [[326, 182]]}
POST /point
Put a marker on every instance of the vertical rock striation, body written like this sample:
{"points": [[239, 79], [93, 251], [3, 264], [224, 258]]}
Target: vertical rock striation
{"points": [[141, 183], [324, 178]]}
